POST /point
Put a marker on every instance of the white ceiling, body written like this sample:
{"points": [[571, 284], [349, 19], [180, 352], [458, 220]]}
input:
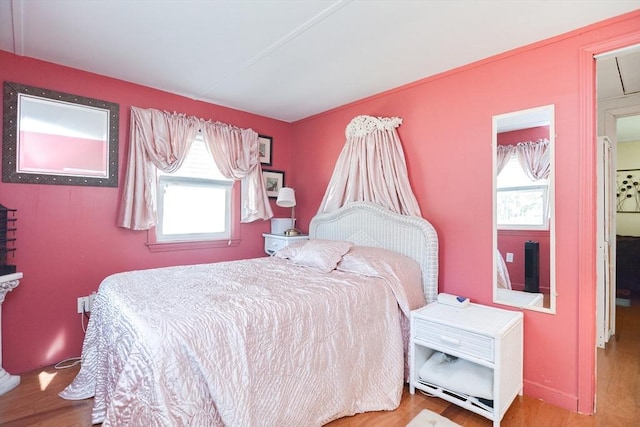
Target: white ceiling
{"points": [[618, 75], [628, 129], [283, 59]]}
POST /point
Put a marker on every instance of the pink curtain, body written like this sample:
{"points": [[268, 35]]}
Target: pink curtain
{"points": [[236, 153], [161, 140], [535, 158], [504, 154], [371, 168]]}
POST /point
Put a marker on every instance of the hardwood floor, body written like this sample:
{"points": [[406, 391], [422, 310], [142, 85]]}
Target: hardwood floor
{"points": [[618, 393], [35, 401]]}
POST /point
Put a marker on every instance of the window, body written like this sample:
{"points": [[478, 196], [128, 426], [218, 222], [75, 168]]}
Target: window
{"points": [[522, 204], [194, 202]]}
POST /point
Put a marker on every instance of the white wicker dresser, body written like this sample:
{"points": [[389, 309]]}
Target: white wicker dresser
{"points": [[490, 338]]}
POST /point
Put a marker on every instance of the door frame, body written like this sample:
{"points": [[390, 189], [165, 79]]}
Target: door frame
{"points": [[587, 225], [611, 117], [605, 265]]}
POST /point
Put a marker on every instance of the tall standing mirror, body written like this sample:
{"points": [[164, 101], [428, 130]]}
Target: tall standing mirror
{"points": [[523, 209]]}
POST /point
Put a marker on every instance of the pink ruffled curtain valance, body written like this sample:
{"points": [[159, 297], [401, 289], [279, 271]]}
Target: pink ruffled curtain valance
{"points": [[372, 168], [533, 156], [161, 140]]}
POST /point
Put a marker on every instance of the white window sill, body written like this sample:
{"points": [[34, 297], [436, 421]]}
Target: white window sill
{"points": [[185, 246]]}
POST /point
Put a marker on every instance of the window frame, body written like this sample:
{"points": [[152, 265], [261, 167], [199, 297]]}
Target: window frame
{"points": [[165, 180], [158, 242], [534, 186], [521, 189]]}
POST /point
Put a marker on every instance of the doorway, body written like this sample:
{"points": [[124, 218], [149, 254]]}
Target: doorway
{"points": [[618, 106], [618, 111]]}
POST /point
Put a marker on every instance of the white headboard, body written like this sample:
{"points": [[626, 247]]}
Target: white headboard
{"points": [[369, 224]]}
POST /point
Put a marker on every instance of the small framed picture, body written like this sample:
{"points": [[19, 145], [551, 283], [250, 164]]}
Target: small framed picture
{"points": [[265, 146], [273, 181], [628, 190]]}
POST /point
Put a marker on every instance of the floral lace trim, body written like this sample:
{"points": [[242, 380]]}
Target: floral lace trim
{"points": [[362, 125]]}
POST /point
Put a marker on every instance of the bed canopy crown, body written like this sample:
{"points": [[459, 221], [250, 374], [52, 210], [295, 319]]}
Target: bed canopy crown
{"points": [[371, 168]]}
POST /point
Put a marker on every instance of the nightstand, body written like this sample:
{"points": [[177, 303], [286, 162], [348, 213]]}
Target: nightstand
{"points": [[273, 242], [486, 338]]}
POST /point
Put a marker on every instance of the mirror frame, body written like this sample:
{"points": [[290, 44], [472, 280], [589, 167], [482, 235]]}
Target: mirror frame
{"points": [[11, 132], [525, 124]]}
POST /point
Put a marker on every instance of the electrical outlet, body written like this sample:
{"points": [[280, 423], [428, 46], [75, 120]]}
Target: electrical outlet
{"points": [[83, 304], [509, 257]]}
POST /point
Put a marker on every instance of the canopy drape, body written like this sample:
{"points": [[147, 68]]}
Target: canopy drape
{"points": [[161, 140], [371, 168]]}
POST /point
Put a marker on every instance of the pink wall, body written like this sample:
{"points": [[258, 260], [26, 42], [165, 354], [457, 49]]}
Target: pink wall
{"points": [[513, 241], [515, 136], [446, 136], [67, 238], [51, 153]]}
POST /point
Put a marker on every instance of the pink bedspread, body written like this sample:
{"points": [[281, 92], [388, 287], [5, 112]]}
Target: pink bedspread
{"points": [[257, 342]]}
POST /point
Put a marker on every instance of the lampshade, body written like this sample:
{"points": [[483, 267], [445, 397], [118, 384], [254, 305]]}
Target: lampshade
{"points": [[286, 197]]}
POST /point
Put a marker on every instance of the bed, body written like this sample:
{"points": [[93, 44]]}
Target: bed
{"points": [[505, 295], [265, 341], [502, 273], [520, 299]]}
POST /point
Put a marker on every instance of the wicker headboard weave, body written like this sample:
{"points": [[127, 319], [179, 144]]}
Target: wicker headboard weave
{"points": [[369, 224]]}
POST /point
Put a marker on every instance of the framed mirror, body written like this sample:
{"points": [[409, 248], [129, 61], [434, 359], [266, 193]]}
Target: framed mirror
{"points": [[523, 209], [57, 138]]}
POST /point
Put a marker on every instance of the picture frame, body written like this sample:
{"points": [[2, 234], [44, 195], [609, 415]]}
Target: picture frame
{"points": [[628, 190], [273, 182], [265, 148], [44, 130]]}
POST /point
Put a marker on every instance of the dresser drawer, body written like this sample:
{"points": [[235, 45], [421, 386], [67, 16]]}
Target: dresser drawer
{"points": [[272, 245], [459, 341], [274, 242]]}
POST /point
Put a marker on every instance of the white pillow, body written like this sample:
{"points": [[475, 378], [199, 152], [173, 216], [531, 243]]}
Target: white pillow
{"points": [[289, 251], [321, 254], [458, 375]]}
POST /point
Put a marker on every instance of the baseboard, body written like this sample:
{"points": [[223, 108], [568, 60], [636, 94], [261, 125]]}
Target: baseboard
{"points": [[551, 396]]}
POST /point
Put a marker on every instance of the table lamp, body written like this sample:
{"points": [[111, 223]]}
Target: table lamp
{"points": [[287, 199]]}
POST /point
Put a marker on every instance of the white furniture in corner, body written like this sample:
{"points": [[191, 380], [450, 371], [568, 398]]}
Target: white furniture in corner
{"points": [[7, 283], [486, 336], [273, 242]]}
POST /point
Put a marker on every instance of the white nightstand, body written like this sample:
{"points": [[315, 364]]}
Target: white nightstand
{"points": [[273, 242], [486, 336]]}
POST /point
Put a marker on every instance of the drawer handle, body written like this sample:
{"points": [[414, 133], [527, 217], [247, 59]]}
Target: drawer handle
{"points": [[450, 340]]}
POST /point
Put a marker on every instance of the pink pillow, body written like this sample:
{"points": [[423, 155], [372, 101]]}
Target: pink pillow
{"points": [[321, 254], [370, 261], [401, 272]]}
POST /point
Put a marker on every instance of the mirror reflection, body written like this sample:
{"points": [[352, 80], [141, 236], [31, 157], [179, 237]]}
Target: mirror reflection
{"points": [[62, 138], [58, 138], [523, 229]]}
